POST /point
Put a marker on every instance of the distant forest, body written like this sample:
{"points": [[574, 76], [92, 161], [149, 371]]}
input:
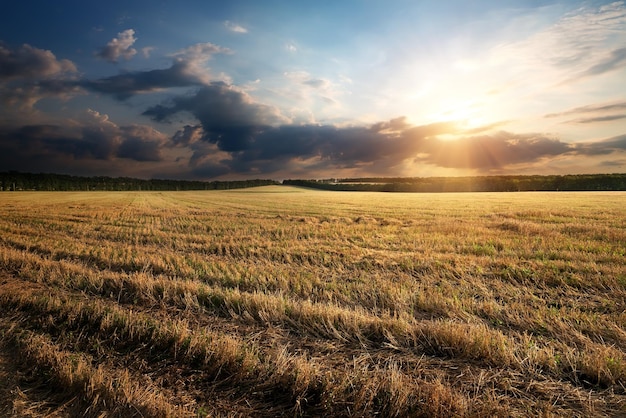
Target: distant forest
{"points": [[15, 181], [12, 181], [579, 182]]}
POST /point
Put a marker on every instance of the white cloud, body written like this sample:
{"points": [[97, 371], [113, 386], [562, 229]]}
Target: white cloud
{"points": [[583, 43], [200, 52], [101, 119], [195, 58], [146, 51], [119, 47], [573, 60], [234, 27], [306, 95]]}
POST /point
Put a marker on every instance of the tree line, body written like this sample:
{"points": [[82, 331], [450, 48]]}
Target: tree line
{"points": [[571, 182], [13, 181]]}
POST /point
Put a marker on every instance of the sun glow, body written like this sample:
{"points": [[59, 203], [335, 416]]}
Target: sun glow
{"points": [[469, 113]]}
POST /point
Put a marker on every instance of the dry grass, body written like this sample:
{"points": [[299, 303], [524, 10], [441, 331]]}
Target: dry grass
{"points": [[279, 301]]}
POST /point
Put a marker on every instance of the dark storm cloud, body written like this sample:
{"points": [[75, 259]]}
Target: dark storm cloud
{"points": [[186, 70], [54, 141], [33, 73], [211, 170], [96, 140], [27, 62], [125, 85], [188, 135], [28, 74], [229, 117], [24, 96], [383, 147], [332, 148], [349, 147], [237, 134], [311, 147], [141, 143], [340, 147], [252, 132], [140, 150]]}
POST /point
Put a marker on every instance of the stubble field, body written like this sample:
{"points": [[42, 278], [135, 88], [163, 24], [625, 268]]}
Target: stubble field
{"points": [[279, 301]]}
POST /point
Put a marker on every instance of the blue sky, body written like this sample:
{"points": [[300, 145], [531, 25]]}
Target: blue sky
{"points": [[284, 89]]}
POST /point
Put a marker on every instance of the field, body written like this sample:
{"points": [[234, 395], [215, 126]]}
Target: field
{"points": [[279, 301]]}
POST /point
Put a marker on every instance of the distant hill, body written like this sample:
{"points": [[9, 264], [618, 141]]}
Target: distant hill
{"points": [[12, 180], [574, 182]]}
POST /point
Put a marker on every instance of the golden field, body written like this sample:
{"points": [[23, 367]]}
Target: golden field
{"points": [[280, 301]]}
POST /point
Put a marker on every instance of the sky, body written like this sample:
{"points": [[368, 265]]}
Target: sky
{"points": [[207, 90]]}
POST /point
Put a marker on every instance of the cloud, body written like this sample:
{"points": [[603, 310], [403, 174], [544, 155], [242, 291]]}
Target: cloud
{"points": [[134, 142], [303, 77], [495, 151], [595, 113], [200, 53], [301, 91], [584, 43], [237, 135], [612, 164], [27, 62], [233, 27], [119, 47], [126, 85], [591, 42], [188, 135], [603, 147], [317, 83], [141, 143], [615, 143], [596, 119], [595, 108], [94, 139], [186, 70], [229, 117], [485, 128], [29, 74], [146, 51], [328, 148], [615, 59], [194, 57], [19, 100]]}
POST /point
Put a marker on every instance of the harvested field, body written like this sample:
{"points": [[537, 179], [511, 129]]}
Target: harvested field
{"points": [[280, 301]]}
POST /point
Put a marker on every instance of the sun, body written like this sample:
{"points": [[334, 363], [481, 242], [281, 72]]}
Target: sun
{"points": [[467, 113]]}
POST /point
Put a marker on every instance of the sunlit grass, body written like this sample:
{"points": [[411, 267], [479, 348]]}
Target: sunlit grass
{"points": [[282, 301]]}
